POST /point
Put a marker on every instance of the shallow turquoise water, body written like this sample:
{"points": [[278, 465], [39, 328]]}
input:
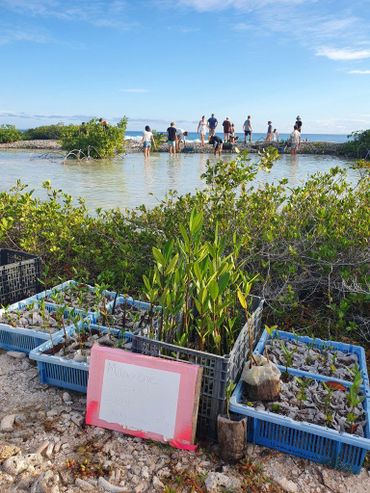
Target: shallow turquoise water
{"points": [[128, 181]]}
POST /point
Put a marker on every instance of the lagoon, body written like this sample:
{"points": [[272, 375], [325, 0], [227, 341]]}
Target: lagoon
{"points": [[129, 180]]}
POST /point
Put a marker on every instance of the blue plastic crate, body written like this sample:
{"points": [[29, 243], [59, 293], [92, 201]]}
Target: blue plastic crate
{"points": [[140, 305], [319, 344], [94, 315], [309, 441], [60, 372], [22, 339]]}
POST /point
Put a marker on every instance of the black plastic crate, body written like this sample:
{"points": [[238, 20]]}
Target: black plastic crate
{"points": [[19, 275], [218, 371]]}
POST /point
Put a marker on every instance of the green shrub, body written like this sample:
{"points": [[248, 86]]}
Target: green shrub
{"points": [[94, 139], [308, 244], [45, 132], [358, 146], [9, 133]]}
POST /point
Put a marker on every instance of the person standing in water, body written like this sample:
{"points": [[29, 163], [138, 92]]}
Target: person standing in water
{"points": [[147, 141], [269, 132], [212, 124], [171, 138], [202, 129], [295, 140], [247, 127], [227, 128], [298, 124], [217, 144]]}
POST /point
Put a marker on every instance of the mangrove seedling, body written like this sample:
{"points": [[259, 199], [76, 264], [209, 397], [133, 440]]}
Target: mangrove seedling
{"points": [[229, 392], [303, 384]]}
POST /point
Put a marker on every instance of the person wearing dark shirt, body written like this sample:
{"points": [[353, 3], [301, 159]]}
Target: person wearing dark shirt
{"points": [[171, 138], [269, 135], [298, 124], [212, 124], [227, 128], [217, 144]]}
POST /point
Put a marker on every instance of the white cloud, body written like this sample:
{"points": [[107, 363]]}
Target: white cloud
{"points": [[360, 72], [8, 35], [98, 12], [135, 90], [345, 54], [214, 5], [242, 26]]}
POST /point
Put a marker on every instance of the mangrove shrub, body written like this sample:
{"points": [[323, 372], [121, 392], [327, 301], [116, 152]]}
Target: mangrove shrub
{"points": [[9, 133], [94, 139]]}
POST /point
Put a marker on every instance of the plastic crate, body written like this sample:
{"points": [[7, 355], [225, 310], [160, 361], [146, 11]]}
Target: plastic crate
{"points": [[319, 344], [309, 441], [19, 275], [60, 372], [21, 339], [141, 305], [94, 315], [218, 371]]}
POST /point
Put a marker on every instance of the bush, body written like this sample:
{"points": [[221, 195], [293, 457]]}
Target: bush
{"points": [[308, 244], [9, 133], [45, 132], [358, 146], [94, 139]]}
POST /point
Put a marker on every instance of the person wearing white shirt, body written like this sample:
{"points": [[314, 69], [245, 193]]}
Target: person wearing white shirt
{"points": [[147, 141], [247, 127], [295, 140]]}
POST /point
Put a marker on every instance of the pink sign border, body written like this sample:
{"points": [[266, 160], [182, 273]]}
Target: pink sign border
{"points": [[187, 404]]}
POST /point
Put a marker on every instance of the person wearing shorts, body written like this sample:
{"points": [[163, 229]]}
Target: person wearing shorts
{"points": [[227, 128], [172, 138], [247, 127], [295, 140], [217, 144], [202, 129], [147, 141], [212, 124], [269, 135]]}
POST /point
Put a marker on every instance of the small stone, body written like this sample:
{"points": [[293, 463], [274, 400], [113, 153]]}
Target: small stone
{"points": [[287, 485], [7, 422], [111, 488], [19, 463], [7, 450], [157, 484], [67, 398], [78, 420], [84, 485], [16, 354], [217, 482]]}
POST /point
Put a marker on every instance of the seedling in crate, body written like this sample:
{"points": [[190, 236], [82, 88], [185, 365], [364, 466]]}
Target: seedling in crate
{"points": [[270, 331], [354, 399], [303, 385]]}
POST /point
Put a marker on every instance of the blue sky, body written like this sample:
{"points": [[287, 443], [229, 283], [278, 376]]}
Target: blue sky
{"points": [[160, 60]]}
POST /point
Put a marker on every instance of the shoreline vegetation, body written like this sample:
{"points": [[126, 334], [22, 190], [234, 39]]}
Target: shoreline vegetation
{"points": [[134, 146], [306, 247]]}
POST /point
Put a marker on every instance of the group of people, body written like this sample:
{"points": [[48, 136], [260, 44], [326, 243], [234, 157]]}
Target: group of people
{"points": [[176, 136]]}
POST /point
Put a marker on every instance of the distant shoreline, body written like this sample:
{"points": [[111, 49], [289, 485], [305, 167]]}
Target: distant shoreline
{"points": [[133, 146]]}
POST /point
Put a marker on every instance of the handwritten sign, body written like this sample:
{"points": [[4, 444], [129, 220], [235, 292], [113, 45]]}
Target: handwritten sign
{"points": [[143, 396]]}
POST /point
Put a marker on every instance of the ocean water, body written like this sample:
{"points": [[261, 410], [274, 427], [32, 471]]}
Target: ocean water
{"points": [[194, 137]]}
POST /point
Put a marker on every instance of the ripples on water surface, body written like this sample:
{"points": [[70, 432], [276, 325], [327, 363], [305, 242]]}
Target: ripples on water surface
{"points": [[130, 180]]}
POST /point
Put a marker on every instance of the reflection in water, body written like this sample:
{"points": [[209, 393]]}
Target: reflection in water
{"points": [[128, 181]]}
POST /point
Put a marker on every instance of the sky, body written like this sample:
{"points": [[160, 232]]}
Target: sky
{"points": [[160, 61]]}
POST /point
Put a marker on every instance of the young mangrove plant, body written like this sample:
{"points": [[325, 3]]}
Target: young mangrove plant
{"points": [[196, 282]]}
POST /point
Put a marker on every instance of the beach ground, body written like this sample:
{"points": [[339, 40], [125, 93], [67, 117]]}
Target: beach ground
{"points": [[45, 447]]}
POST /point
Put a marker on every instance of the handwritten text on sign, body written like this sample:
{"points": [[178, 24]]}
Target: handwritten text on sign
{"points": [[143, 396]]}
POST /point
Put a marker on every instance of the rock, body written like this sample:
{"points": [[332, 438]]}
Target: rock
{"points": [[43, 447], [287, 485], [217, 482], [67, 398], [141, 487], [111, 488], [84, 485], [7, 450], [7, 422], [47, 482], [19, 463], [16, 354], [157, 484]]}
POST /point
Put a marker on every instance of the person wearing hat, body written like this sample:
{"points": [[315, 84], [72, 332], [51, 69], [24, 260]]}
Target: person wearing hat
{"points": [[298, 124], [227, 128], [269, 135]]}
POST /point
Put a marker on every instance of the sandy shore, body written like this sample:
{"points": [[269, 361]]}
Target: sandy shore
{"points": [[329, 148], [45, 447]]}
